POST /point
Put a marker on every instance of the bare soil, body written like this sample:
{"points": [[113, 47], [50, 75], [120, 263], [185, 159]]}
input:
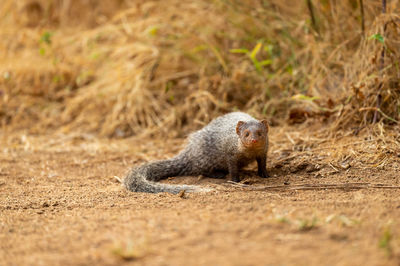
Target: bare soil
{"points": [[60, 204]]}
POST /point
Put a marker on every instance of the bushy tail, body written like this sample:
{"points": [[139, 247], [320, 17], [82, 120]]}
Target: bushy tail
{"points": [[145, 177]]}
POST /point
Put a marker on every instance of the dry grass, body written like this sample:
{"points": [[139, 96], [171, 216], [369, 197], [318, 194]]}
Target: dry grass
{"points": [[121, 68]]}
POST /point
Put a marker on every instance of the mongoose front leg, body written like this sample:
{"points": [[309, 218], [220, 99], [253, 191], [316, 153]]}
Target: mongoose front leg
{"points": [[233, 170], [262, 166]]}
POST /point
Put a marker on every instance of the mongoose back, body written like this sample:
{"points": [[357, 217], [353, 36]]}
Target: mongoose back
{"points": [[225, 145]]}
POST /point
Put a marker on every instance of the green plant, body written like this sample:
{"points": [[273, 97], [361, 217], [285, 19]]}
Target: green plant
{"points": [[127, 252], [307, 225], [45, 39], [377, 37], [253, 56], [385, 241]]}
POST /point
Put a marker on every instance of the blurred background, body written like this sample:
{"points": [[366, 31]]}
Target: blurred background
{"points": [[120, 68]]}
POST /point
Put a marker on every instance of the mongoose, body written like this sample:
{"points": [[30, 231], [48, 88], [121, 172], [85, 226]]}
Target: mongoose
{"points": [[225, 145]]}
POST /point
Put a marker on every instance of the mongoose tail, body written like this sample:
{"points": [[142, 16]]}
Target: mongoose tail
{"points": [[145, 178]]}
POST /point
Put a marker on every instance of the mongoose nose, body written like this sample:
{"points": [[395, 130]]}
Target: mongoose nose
{"points": [[254, 141]]}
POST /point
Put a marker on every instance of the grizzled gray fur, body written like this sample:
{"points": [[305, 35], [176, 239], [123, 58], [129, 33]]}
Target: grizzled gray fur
{"points": [[225, 145]]}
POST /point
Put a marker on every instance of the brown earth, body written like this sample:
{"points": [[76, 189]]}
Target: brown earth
{"points": [[61, 205]]}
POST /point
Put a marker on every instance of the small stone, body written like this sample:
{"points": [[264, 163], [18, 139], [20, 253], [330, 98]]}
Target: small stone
{"points": [[338, 237], [181, 194]]}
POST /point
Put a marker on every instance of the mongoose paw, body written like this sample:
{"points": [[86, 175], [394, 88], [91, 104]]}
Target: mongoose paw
{"points": [[263, 174], [236, 179]]}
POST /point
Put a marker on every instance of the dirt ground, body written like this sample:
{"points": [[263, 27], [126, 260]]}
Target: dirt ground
{"points": [[327, 203]]}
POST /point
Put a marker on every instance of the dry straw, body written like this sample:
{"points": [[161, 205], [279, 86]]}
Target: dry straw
{"points": [[121, 68]]}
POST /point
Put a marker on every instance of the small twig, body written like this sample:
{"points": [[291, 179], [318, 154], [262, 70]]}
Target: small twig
{"points": [[381, 67], [348, 186], [313, 21], [118, 179], [290, 138], [362, 17], [378, 105], [380, 111], [383, 6], [174, 76], [334, 168], [235, 184]]}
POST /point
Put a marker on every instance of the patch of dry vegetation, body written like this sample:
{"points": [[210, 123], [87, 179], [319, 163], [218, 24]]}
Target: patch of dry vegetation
{"points": [[121, 68]]}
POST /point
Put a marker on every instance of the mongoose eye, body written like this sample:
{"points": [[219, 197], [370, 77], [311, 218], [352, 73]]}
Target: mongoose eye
{"points": [[259, 133], [246, 134]]}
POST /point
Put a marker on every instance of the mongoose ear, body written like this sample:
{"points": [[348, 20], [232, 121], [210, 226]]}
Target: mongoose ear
{"points": [[238, 126], [265, 122]]}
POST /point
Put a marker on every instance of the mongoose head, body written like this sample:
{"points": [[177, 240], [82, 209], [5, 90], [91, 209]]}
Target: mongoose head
{"points": [[253, 134]]}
